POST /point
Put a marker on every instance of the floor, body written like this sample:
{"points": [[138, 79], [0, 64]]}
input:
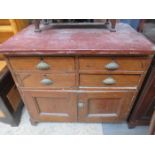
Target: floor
{"points": [[25, 128]]}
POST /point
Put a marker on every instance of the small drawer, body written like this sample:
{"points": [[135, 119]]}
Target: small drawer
{"points": [[55, 64], [36, 80], [109, 80], [118, 64]]}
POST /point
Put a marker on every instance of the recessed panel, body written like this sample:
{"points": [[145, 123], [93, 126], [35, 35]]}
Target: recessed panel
{"points": [[112, 106], [52, 106], [14, 98], [103, 106]]}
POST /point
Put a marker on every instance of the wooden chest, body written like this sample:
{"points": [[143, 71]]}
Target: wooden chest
{"points": [[84, 75]]}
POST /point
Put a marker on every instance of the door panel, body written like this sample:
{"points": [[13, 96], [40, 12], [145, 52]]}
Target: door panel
{"points": [[104, 106], [51, 106]]}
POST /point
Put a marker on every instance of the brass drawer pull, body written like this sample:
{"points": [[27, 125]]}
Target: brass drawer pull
{"points": [[109, 81], [46, 81], [112, 66], [42, 65]]}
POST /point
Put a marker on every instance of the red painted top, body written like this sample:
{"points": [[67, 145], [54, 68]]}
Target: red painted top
{"points": [[78, 41]]}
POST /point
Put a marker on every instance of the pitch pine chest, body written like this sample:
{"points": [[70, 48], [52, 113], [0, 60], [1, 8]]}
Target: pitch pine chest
{"points": [[84, 75]]}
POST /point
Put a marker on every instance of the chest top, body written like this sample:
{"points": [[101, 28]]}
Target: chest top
{"points": [[77, 41]]}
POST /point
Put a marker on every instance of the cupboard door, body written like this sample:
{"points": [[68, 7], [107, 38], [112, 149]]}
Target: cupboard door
{"points": [[51, 106], [104, 106]]}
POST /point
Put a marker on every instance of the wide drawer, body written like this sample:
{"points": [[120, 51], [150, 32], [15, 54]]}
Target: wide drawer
{"points": [[55, 64], [116, 64], [37, 80], [98, 80]]}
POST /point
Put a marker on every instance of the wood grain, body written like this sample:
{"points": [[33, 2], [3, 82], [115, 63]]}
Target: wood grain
{"points": [[107, 103], [77, 60], [52, 106], [34, 80], [126, 64], [96, 80], [79, 41], [105, 106], [57, 64], [142, 111], [14, 98]]}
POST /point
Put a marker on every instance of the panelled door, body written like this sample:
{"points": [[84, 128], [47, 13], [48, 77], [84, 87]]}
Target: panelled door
{"points": [[104, 106], [51, 106]]}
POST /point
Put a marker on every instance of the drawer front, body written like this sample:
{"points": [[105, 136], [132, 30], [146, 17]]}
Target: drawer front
{"points": [[36, 80], [88, 80], [107, 64], [62, 64], [104, 106]]}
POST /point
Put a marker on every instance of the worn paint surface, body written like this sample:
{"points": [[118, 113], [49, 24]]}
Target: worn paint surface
{"points": [[78, 41]]}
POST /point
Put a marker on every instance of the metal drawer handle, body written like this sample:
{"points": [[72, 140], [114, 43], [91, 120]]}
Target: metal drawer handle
{"points": [[109, 81], [42, 65], [46, 81], [80, 105], [112, 66]]}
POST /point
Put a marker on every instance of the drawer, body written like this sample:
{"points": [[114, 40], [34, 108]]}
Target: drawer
{"points": [[62, 64], [36, 80], [88, 80], [118, 64]]}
